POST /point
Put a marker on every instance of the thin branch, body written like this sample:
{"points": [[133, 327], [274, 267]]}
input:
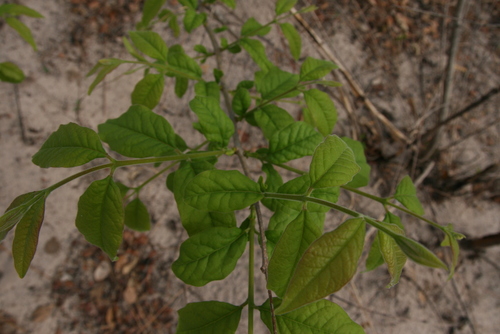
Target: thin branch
{"points": [[20, 117]]}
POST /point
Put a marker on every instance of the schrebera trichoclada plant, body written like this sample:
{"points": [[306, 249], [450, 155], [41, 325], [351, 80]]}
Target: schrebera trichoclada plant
{"points": [[301, 262]]}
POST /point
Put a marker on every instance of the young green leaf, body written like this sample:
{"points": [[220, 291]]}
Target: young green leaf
{"points": [[100, 215], [137, 216], [418, 253], [276, 83], [22, 30], [14, 9], [313, 69], [363, 177], [241, 101], [149, 43], [210, 317], [193, 20], [332, 164], [26, 237], [148, 91], [322, 110], [375, 258], [283, 6], [257, 52], [19, 207], [293, 38], [223, 191], [70, 146], [207, 89], [292, 142], [182, 64], [214, 122], [210, 255], [139, 133], [181, 86], [298, 235], [252, 28], [10, 72], [450, 240], [150, 10], [322, 316], [393, 255], [326, 266], [271, 119], [104, 71], [406, 194]]}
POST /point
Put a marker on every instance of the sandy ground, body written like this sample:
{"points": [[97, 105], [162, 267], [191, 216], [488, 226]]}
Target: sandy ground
{"points": [[70, 285]]}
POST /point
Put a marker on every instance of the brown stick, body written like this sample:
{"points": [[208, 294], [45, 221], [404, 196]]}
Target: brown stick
{"points": [[358, 91]]}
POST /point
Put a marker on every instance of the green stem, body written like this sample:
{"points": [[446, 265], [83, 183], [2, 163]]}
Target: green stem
{"points": [[251, 274], [162, 67], [77, 175]]}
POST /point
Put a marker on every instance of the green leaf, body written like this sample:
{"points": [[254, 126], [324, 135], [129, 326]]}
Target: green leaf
{"points": [[139, 133], [273, 182], [200, 49], [313, 69], [214, 123], [10, 72], [327, 194], [70, 146], [392, 254], [271, 119], [181, 86], [22, 30], [332, 164], [322, 110], [363, 177], [105, 70], [131, 50], [241, 101], [375, 258], [148, 91], [298, 235], [149, 43], [207, 89], [137, 216], [276, 83], [210, 255], [100, 215], [451, 240], [257, 52], [13, 9], [210, 317], [322, 316], [174, 26], [230, 3], [184, 65], [406, 194], [223, 191], [194, 220], [26, 237], [292, 142], [418, 253], [191, 4], [298, 186], [218, 74], [18, 208], [150, 10], [193, 20], [326, 266], [283, 6], [293, 38], [252, 28]]}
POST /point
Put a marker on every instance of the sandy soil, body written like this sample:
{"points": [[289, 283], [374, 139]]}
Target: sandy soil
{"points": [[71, 286]]}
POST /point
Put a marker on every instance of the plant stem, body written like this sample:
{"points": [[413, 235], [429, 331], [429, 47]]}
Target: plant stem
{"points": [[251, 274]]}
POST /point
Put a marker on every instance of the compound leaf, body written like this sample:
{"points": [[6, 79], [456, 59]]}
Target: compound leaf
{"points": [[181, 86], [322, 110], [211, 317], [406, 194], [193, 20], [322, 316], [26, 236], [298, 235], [292, 142], [418, 253], [283, 6], [137, 216], [210, 255], [241, 101], [150, 43], [105, 70], [362, 178], [332, 164], [10, 72], [271, 119], [207, 89], [293, 38], [100, 215], [392, 254], [214, 123], [257, 52], [22, 30], [18, 208], [148, 91], [326, 266], [223, 191], [182, 64], [375, 258], [313, 69], [139, 133], [252, 27], [451, 240], [70, 146], [276, 83]]}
